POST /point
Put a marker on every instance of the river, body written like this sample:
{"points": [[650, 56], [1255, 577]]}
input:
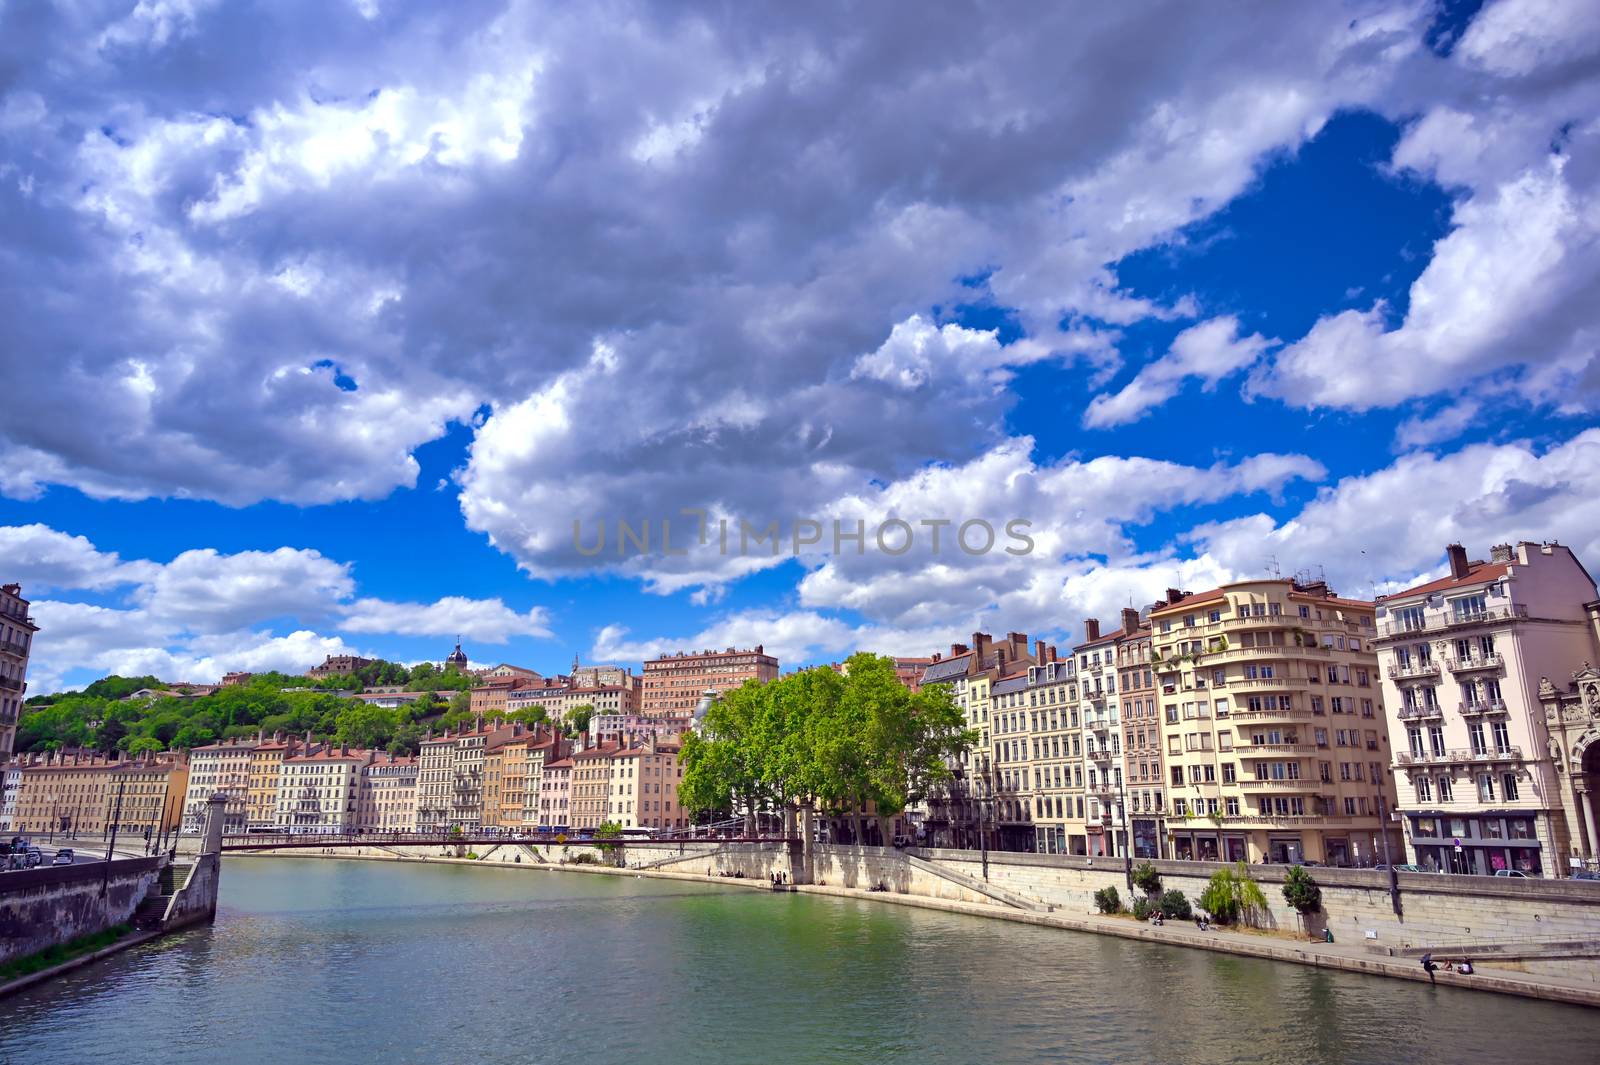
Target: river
{"points": [[314, 961]]}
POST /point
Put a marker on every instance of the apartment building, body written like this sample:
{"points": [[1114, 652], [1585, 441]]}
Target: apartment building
{"points": [[644, 786], [261, 790], [436, 759], [491, 697], [617, 726], [223, 767], [1482, 780], [964, 810], [318, 790], [145, 795], [673, 684], [16, 643], [547, 747], [386, 796], [1572, 715], [1276, 743], [604, 676], [1038, 757], [338, 666], [591, 785], [555, 794], [10, 789], [1105, 821], [1145, 780], [64, 793]]}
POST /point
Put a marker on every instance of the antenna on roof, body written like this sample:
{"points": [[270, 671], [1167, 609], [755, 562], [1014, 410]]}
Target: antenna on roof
{"points": [[1273, 567]]}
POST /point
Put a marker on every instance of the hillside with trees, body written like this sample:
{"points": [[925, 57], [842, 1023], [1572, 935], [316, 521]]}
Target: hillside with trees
{"points": [[103, 718]]}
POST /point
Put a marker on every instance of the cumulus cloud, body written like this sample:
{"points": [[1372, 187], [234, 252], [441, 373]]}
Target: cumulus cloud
{"points": [[205, 612], [1209, 351]]}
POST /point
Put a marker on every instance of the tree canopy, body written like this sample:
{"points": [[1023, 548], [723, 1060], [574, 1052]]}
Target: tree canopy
{"points": [[825, 740], [101, 717]]}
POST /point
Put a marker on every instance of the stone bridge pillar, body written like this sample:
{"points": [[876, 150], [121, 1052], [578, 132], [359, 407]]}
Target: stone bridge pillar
{"points": [[216, 809]]}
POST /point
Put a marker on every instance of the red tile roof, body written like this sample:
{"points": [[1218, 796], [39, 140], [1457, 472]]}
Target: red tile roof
{"points": [[1479, 572]]}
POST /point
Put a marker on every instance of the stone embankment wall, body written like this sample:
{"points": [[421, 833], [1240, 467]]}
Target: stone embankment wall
{"points": [[44, 907]]}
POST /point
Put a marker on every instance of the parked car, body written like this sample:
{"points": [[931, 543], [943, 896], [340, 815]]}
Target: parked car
{"points": [[1584, 874], [1515, 873], [903, 841], [64, 856]]}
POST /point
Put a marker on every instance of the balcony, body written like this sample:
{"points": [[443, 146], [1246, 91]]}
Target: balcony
{"points": [[1482, 707], [1439, 620], [14, 647], [10, 684], [1301, 785], [1461, 756], [1273, 683], [1252, 750], [1421, 713], [1274, 714], [1412, 670], [1477, 662]]}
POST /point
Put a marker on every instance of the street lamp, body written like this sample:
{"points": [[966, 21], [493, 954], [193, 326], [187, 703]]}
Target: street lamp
{"points": [[985, 799]]}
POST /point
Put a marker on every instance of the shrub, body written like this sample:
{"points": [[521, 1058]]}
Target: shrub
{"points": [[472, 856], [1146, 879], [1143, 907], [1106, 900], [1175, 906]]}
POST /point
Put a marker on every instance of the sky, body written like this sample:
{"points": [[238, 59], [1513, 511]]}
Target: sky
{"points": [[346, 327]]}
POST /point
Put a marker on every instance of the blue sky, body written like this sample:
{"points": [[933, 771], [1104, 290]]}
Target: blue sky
{"points": [[327, 349]]}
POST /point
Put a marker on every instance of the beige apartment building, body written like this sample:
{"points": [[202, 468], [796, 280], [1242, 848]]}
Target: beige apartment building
{"points": [[16, 644], [63, 793], [1145, 775], [546, 747], [436, 759], [971, 805], [1038, 757], [555, 794], [673, 684], [223, 767], [1276, 743], [266, 761], [386, 798], [1485, 782], [644, 786], [146, 794], [318, 790], [591, 785]]}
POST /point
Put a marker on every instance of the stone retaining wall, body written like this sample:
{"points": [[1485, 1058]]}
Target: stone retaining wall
{"points": [[49, 906]]}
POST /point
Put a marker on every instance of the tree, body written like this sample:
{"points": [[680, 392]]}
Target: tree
{"points": [[1146, 879], [609, 830], [580, 716], [142, 745], [1301, 892], [1233, 894], [363, 725]]}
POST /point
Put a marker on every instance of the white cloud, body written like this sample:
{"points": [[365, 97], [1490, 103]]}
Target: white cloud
{"points": [[1517, 37], [205, 612], [483, 620], [1209, 351], [1445, 424]]}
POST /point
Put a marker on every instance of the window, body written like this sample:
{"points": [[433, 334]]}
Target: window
{"points": [[1475, 734], [1436, 740], [1444, 790], [1468, 607], [1502, 738], [1485, 788], [1508, 787], [1424, 790]]}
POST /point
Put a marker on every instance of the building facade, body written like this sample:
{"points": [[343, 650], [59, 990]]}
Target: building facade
{"points": [[145, 796], [223, 767], [644, 786], [338, 666], [436, 759], [591, 785], [1464, 660], [318, 791], [1277, 747], [386, 799], [16, 644], [555, 795], [64, 794], [1145, 774], [673, 684]]}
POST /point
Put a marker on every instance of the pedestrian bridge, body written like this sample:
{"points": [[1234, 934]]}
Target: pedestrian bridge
{"points": [[259, 841]]}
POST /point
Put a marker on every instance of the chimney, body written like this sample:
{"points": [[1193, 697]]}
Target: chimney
{"points": [[980, 645], [1130, 620], [1091, 628], [1458, 560], [1038, 652], [1500, 553], [1173, 595]]}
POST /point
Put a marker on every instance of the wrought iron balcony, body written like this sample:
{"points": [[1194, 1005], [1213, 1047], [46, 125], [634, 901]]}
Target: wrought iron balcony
{"points": [[1481, 707], [1477, 662], [1409, 670]]}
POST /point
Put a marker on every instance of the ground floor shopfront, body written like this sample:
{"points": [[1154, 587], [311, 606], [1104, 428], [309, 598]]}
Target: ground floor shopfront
{"points": [[1481, 843], [1225, 843]]}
